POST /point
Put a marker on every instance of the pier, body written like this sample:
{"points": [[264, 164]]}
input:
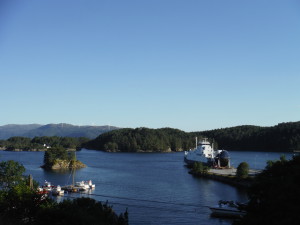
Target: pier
{"points": [[228, 176], [231, 172]]}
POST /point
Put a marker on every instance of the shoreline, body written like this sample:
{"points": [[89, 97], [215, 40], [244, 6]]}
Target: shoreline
{"points": [[32, 150], [228, 176]]}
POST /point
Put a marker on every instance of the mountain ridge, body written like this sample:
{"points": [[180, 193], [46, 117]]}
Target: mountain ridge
{"points": [[52, 129]]}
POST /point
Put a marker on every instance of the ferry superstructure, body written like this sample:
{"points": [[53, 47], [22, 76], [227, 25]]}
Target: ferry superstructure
{"points": [[205, 153]]}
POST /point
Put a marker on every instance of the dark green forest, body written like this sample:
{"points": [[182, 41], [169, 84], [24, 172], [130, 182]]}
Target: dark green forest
{"points": [[284, 137], [143, 139], [41, 143], [275, 195]]}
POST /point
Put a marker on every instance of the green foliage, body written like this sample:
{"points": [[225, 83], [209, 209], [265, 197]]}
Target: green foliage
{"points": [[41, 143], [242, 171], [271, 163], [81, 211], [15, 143], [275, 195], [20, 204], [283, 137], [143, 139], [10, 173], [53, 154], [198, 167], [65, 142]]}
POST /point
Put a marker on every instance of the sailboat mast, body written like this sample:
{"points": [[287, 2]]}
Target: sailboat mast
{"points": [[73, 169]]}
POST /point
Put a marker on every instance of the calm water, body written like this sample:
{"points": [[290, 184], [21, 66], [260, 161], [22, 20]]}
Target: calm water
{"points": [[155, 187]]}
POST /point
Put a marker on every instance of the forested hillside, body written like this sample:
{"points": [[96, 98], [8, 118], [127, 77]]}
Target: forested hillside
{"points": [[143, 139], [40, 143], [282, 137]]}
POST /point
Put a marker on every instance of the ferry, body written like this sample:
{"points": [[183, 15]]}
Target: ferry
{"points": [[205, 153]]}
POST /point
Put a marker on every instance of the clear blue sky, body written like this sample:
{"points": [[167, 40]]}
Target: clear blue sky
{"points": [[188, 64]]}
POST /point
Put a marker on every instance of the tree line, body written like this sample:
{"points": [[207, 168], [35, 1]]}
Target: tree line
{"points": [[284, 137], [41, 143], [143, 139]]}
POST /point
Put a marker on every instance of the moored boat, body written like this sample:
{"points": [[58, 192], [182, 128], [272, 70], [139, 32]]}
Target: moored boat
{"points": [[205, 153], [90, 184], [79, 186], [57, 191], [82, 186], [47, 187], [228, 209]]}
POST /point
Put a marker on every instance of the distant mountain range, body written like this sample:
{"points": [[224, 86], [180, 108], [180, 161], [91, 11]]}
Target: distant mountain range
{"points": [[61, 130]]}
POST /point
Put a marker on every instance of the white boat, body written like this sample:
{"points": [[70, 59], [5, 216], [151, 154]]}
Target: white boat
{"points": [[205, 153], [57, 191], [47, 187], [85, 185], [82, 185], [228, 209], [90, 184]]}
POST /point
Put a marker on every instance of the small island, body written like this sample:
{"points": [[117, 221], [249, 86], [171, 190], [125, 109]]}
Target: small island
{"points": [[59, 158]]}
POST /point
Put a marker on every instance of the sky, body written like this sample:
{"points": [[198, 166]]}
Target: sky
{"points": [[189, 64]]}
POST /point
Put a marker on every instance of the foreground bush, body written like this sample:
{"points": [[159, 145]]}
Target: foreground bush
{"points": [[275, 195]]}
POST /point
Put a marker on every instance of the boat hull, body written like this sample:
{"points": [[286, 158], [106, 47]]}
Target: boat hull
{"points": [[227, 212], [204, 161]]}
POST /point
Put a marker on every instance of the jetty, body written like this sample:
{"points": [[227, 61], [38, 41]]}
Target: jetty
{"points": [[232, 172], [228, 176]]}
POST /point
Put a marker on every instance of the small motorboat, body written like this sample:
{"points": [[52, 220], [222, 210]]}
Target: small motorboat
{"points": [[229, 209], [82, 186], [57, 191], [90, 184], [47, 187]]}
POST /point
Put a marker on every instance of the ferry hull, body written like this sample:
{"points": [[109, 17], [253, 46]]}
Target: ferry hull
{"points": [[204, 161], [190, 162]]}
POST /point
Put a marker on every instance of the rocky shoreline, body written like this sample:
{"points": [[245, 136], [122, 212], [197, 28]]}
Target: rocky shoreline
{"points": [[64, 164]]}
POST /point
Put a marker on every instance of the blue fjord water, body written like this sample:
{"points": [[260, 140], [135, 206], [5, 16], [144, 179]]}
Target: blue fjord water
{"points": [[155, 187]]}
